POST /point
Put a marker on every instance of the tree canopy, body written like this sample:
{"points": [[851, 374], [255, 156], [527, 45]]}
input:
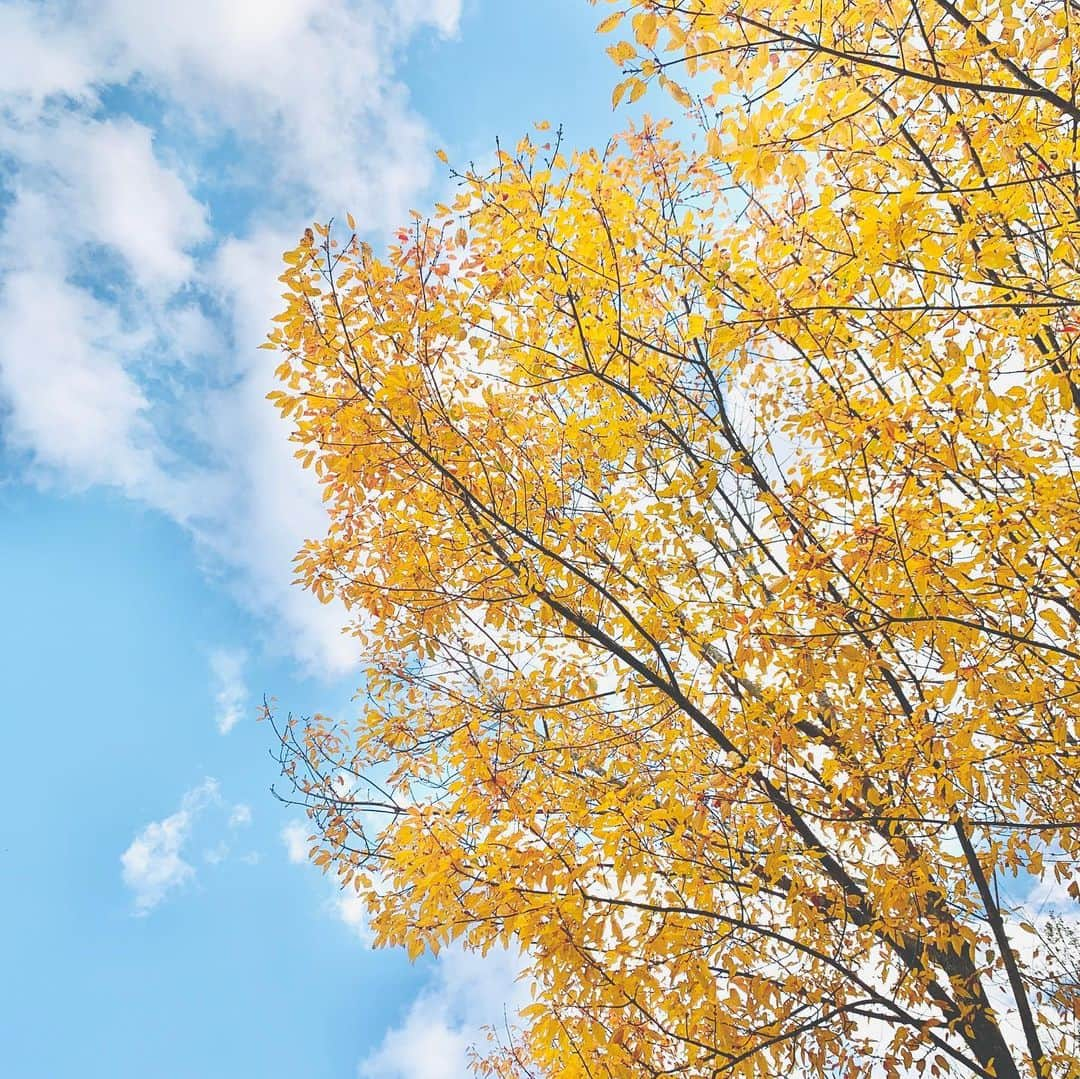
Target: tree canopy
{"points": [[707, 507]]}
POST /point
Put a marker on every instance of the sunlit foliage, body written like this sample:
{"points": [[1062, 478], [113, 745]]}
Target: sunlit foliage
{"points": [[709, 514]]}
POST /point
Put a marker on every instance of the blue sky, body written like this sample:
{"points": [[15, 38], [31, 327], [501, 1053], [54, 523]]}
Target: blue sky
{"points": [[155, 159]]}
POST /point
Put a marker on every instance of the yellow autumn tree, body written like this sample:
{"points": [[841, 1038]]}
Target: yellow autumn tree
{"points": [[708, 509]]}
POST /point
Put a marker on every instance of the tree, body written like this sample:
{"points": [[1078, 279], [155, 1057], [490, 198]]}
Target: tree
{"points": [[708, 510]]}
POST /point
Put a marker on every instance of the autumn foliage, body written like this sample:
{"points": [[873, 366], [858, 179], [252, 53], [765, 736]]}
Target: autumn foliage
{"points": [[708, 510]]}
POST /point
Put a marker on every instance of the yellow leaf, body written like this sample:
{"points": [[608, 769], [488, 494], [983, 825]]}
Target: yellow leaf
{"points": [[621, 52], [646, 28], [610, 22]]}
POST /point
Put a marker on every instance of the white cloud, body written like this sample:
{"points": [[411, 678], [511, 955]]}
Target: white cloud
{"points": [[344, 904], [108, 183], [295, 838], [423, 1047], [307, 83], [274, 504], [129, 356], [69, 399], [230, 691], [1048, 895], [444, 15], [240, 815], [350, 909], [41, 54], [95, 224], [216, 854], [467, 995], [153, 866]]}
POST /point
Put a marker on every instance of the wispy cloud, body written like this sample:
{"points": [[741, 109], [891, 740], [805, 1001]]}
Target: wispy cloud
{"points": [[217, 853], [344, 904], [351, 910], [154, 864], [467, 995], [230, 691], [133, 293], [295, 838], [240, 815]]}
